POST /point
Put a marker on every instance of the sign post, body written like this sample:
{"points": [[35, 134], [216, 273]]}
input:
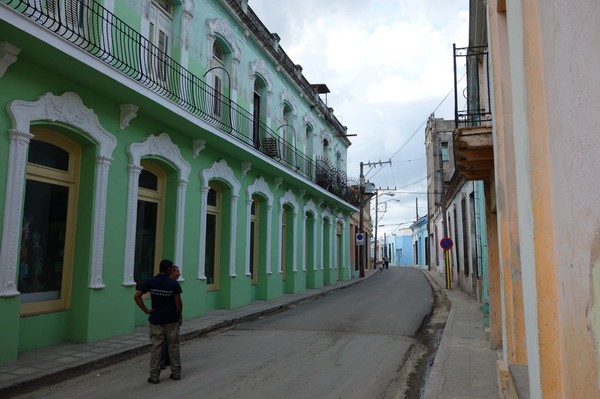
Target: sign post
{"points": [[360, 238], [446, 244]]}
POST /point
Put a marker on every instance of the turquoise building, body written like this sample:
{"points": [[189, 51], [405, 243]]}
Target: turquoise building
{"points": [[420, 238], [139, 130]]}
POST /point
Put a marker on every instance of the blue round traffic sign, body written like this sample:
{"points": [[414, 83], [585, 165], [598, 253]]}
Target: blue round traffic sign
{"points": [[446, 243]]}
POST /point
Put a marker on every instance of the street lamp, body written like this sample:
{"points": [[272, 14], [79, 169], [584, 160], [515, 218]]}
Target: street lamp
{"points": [[377, 220]]}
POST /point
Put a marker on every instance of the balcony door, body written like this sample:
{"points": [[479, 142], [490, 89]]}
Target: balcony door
{"points": [[160, 28]]}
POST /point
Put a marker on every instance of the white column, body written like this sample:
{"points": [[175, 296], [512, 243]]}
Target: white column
{"points": [[280, 234], [315, 243], [269, 257], [180, 224], [248, 232], [11, 230], [295, 241], [99, 222], [303, 242], [233, 235], [323, 242], [132, 199], [202, 243], [331, 244]]}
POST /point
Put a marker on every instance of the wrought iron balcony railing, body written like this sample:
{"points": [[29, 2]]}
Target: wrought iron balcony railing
{"points": [[92, 28], [477, 92]]}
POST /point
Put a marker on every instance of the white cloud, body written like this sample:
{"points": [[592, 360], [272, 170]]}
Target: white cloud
{"points": [[388, 64]]}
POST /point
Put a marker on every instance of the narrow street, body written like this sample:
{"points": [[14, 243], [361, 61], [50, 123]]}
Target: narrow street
{"points": [[349, 344]]}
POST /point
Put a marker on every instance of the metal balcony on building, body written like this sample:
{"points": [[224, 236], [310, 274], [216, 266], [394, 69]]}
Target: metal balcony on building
{"points": [[472, 137]]}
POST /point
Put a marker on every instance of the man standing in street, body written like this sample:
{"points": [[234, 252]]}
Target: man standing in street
{"points": [[165, 318], [164, 355]]}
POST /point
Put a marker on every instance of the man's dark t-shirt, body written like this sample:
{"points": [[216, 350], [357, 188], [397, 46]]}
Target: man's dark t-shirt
{"points": [[162, 290]]}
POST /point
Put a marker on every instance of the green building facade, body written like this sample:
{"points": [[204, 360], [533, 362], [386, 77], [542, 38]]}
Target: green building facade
{"points": [[139, 130]]}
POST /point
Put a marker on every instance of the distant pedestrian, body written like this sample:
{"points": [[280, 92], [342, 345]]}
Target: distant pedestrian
{"points": [[165, 361], [165, 318], [386, 262]]}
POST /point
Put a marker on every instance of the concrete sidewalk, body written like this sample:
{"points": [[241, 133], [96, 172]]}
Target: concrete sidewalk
{"points": [[464, 366]]}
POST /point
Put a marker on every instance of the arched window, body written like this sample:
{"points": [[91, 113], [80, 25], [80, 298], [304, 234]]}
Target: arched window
{"points": [[218, 76], [213, 232], [259, 110], [48, 226], [149, 221], [289, 134], [308, 167], [325, 148]]}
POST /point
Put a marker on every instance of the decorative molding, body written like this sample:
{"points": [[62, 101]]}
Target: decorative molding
{"points": [[310, 207], [198, 146], [11, 231], [8, 56], [287, 97], [259, 186], [68, 109], [259, 67], [327, 216], [277, 181], [221, 171], [310, 121], [246, 166], [218, 26], [163, 147], [289, 198], [128, 112]]}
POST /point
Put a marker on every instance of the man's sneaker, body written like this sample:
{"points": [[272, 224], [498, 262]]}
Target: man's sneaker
{"points": [[153, 380], [175, 377]]}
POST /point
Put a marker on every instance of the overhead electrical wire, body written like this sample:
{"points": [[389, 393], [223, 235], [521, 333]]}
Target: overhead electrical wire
{"points": [[417, 130]]}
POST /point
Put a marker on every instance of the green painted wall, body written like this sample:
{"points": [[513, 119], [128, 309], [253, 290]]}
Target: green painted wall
{"points": [[99, 313]]}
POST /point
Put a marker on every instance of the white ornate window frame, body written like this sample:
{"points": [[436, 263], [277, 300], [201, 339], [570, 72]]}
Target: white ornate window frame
{"points": [[259, 186], [344, 222], [221, 171], [163, 147], [220, 27], [69, 109], [290, 199], [310, 207], [259, 67], [327, 215]]}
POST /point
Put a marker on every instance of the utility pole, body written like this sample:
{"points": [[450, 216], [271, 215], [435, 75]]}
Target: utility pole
{"points": [[417, 206], [362, 251], [376, 252], [444, 222]]}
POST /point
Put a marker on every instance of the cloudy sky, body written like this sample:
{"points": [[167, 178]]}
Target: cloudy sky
{"points": [[389, 65]]}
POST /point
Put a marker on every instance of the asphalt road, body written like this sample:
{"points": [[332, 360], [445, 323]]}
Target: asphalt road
{"points": [[349, 344]]}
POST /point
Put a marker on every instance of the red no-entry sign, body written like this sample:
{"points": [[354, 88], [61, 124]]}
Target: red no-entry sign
{"points": [[446, 243]]}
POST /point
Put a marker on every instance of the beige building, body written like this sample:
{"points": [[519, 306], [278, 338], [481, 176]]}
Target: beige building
{"points": [[544, 219]]}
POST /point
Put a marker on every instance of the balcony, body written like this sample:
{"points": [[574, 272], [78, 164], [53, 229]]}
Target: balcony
{"points": [[472, 137], [474, 152], [107, 38]]}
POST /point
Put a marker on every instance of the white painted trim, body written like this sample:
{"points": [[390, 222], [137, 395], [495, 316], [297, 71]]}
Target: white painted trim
{"points": [[289, 198], [69, 109], [8, 56], [259, 186], [219, 170], [163, 147], [310, 206]]}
